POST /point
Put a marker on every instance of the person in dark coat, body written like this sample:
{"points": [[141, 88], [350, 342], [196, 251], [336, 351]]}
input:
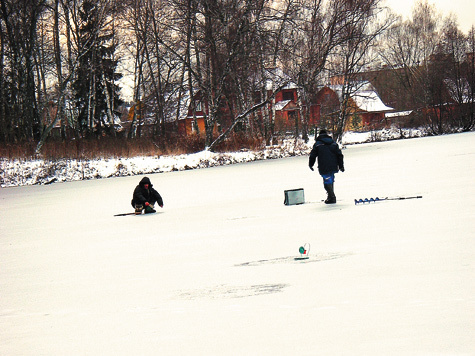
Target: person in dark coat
{"points": [[330, 161], [145, 197]]}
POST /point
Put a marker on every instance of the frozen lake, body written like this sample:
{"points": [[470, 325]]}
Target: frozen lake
{"points": [[213, 273]]}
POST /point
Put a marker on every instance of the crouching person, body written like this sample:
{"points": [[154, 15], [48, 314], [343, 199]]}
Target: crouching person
{"points": [[145, 197]]}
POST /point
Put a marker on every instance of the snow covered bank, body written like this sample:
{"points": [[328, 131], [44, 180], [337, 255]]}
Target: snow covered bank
{"points": [[21, 172]]}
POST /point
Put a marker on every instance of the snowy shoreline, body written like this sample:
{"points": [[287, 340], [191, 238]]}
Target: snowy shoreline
{"points": [[42, 172]]}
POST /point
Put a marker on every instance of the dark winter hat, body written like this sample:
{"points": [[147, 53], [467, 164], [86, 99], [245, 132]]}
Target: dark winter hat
{"points": [[323, 132], [145, 180]]}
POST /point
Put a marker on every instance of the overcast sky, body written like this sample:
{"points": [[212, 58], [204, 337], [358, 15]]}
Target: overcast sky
{"points": [[463, 9]]}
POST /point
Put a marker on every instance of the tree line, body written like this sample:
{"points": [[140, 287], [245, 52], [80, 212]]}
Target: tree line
{"points": [[61, 61]]}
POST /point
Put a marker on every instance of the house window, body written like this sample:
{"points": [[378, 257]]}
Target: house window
{"points": [[288, 95], [198, 105]]}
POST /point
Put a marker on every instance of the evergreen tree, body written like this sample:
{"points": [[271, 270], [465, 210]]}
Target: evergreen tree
{"points": [[96, 94]]}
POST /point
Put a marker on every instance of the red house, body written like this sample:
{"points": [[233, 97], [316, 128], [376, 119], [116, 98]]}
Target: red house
{"points": [[285, 105], [365, 107]]}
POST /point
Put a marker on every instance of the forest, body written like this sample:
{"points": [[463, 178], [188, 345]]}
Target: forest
{"points": [[73, 71]]}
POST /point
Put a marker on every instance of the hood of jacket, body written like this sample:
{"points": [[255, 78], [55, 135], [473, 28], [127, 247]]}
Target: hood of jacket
{"points": [[144, 181], [325, 138]]}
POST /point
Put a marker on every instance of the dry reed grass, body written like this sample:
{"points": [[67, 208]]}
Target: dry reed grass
{"points": [[108, 147]]}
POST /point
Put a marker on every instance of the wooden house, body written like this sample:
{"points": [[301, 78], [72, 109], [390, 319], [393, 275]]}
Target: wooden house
{"points": [[201, 109], [365, 107], [285, 106]]}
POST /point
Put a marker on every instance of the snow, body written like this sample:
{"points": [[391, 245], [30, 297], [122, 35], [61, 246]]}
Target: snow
{"points": [[368, 100], [398, 114], [365, 97], [281, 104], [275, 77], [213, 273], [18, 172]]}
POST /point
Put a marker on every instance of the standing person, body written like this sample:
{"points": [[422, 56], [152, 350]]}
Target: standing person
{"points": [[330, 161], [145, 197]]}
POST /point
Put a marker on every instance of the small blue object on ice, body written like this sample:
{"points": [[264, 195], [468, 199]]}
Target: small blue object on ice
{"points": [[374, 200], [303, 250], [366, 200]]}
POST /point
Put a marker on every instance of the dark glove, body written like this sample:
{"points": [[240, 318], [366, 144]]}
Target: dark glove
{"points": [[342, 169], [311, 168], [161, 205]]}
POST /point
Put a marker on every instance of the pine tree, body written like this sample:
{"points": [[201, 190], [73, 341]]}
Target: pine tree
{"points": [[96, 94]]}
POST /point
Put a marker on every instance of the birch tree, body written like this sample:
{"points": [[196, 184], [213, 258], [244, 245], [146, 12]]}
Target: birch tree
{"points": [[360, 29]]}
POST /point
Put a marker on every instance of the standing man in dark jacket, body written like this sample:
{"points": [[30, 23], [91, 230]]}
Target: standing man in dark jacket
{"points": [[145, 197], [330, 161]]}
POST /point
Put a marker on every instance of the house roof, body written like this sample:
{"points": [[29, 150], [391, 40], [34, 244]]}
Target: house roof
{"points": [[275, 76], [364, 96], [281, 104], [399, 113]]}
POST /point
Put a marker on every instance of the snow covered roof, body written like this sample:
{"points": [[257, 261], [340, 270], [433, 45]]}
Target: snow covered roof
{"points": [[399, 113], [281, 104], [365, 97], [276, 76]]}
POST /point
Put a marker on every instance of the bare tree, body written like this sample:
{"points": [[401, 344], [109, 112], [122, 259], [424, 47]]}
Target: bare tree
{"points": [[316, 32], [471, 79], [455, 48], [360, 32], [408, 48], [133, 19], [226, 30]]}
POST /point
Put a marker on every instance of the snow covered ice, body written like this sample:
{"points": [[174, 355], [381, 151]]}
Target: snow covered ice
{"points": [[213, 272]]}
